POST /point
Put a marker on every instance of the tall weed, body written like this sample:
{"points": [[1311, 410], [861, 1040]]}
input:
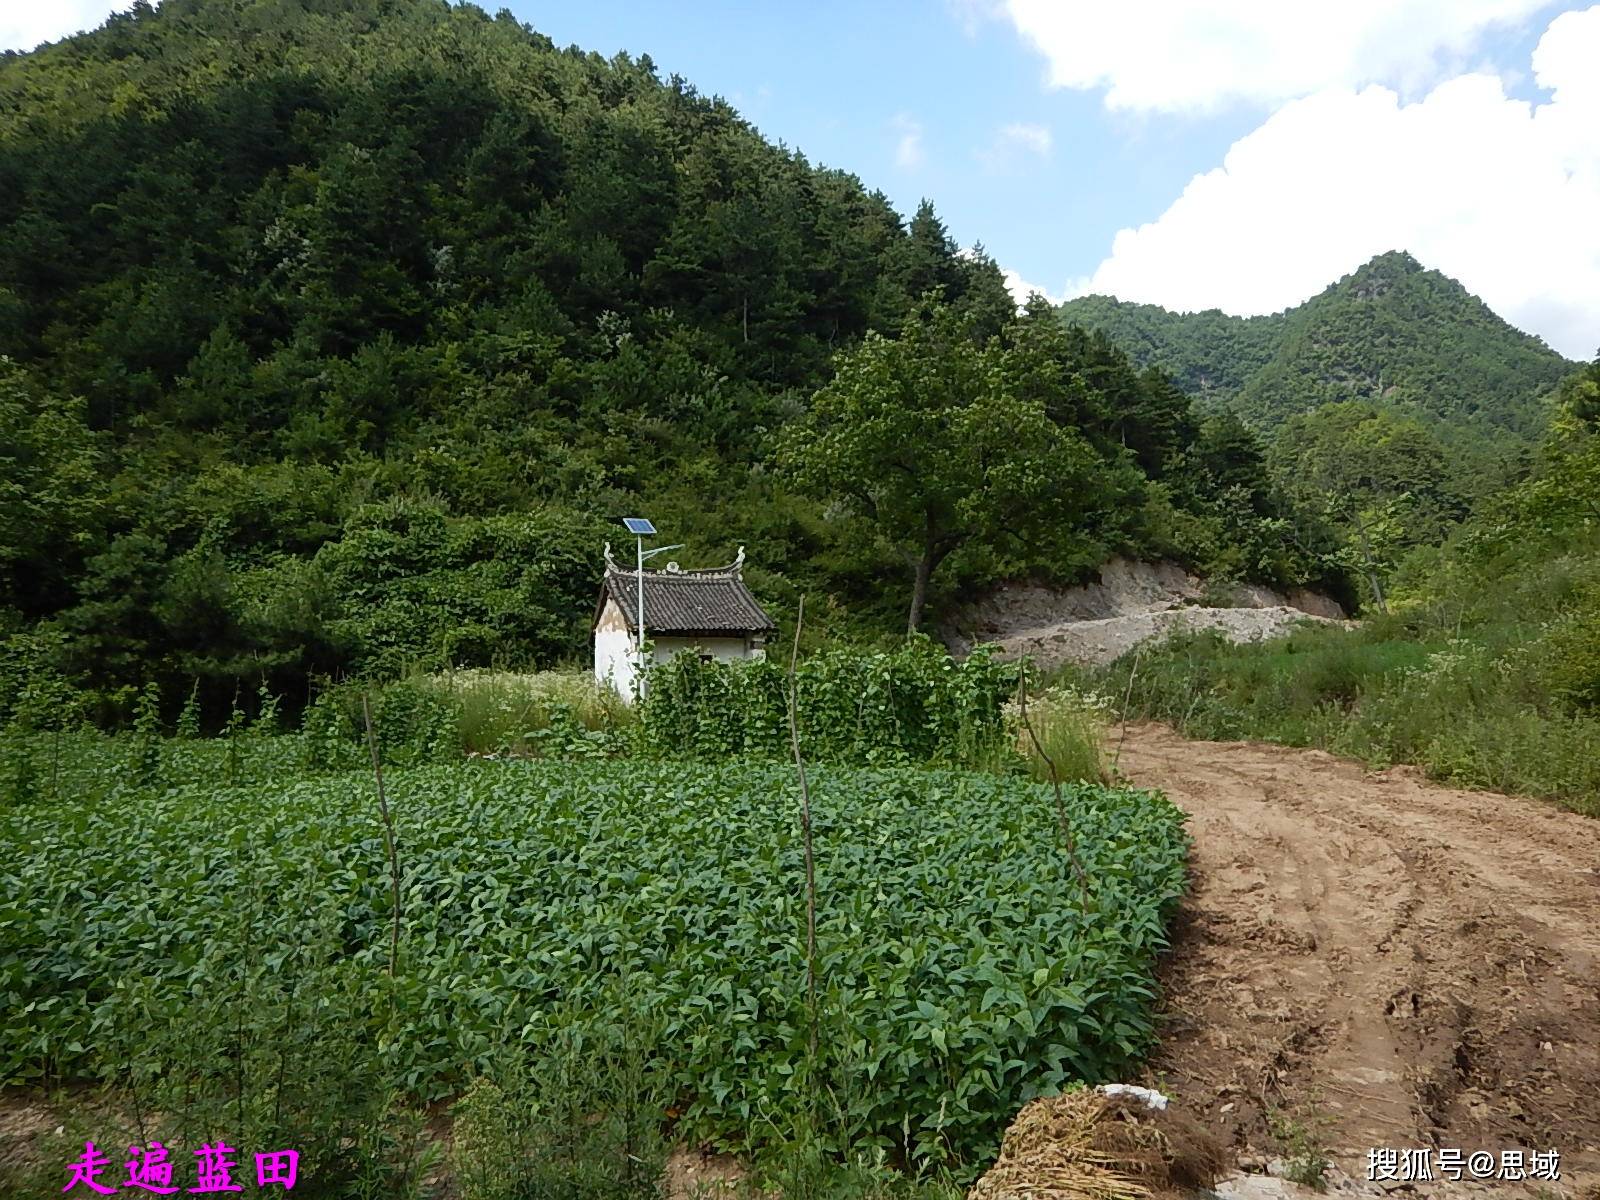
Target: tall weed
{"points": [[1486, 674], [1070, 725]]}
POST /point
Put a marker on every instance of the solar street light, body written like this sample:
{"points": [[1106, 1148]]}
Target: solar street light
{"points": [[641, 528]]}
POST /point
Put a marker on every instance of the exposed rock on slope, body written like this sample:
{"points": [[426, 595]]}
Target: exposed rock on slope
{"points": [[1132, 602]]}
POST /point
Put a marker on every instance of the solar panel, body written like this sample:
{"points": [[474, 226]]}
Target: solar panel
{"points": [[639, 526]]}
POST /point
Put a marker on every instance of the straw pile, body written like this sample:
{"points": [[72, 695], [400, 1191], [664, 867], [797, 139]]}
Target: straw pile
{"points": [[1090, 1146]]}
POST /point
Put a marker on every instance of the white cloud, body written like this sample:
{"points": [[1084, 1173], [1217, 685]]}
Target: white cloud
{"points": [[1500, 194], [1014, 143], [1178, 55], [908, 149], [1034, 139], [1021, 289], [25, 24]]}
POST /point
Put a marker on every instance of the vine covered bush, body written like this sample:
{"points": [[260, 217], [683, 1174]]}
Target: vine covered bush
{"points": [[911, 704]]}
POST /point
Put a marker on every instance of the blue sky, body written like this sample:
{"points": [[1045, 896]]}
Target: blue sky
{"points": [[846, 84], [1236, 154], [1044, 130]]}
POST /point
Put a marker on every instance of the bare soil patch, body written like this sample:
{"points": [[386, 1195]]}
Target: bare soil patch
{"points": [[1393, 962], [1130, 603], [1101, 642]]}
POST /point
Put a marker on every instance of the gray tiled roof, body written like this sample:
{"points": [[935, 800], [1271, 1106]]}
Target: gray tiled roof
{"points": [[685, 602]]}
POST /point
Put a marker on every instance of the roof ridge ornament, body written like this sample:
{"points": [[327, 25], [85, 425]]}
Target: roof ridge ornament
{"points": [[683, 601]]}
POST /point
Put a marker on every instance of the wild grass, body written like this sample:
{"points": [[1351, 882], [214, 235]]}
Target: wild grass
{"points": [[1486, 674], [1300, 1137], [499, 710], [585, 1120], [1070, 725]]}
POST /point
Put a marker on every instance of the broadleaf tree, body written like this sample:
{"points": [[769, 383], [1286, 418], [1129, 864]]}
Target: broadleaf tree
{"points": [[924, 436]]}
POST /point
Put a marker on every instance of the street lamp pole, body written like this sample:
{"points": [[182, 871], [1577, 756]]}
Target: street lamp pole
{"points": [[641, 529], [639, 538]]}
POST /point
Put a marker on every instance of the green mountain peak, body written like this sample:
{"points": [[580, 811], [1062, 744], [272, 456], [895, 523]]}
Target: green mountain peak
{"points": [[1380, 273], [1393, 331]]}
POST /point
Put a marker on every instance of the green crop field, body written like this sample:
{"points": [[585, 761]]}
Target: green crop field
{"points": [[244, 932]]}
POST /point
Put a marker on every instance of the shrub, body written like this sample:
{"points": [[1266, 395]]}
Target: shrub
{"points": [[413, 722], [1570, 656]]}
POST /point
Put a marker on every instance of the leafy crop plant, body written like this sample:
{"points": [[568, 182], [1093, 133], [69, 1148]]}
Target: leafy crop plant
{"points": [[961, 968]]}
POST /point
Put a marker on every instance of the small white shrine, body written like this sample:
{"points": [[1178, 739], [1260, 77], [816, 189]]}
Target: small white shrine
{"points": [[709, 612]]}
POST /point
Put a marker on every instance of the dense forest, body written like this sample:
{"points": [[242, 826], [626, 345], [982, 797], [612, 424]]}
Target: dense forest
{"points": [[338, 336]]}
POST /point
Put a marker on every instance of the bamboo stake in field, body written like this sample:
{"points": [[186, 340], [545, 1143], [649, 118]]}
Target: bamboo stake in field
{"points": [[805, 829], [388, 836], [1069, 841], [1127, 697]]}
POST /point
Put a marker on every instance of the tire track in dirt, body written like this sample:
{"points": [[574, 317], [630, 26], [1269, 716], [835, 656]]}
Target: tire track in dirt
{"points": [[1405, 964]]}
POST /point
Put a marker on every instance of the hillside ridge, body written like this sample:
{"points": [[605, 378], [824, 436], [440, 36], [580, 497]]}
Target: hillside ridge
{"points": [[1391, 331]]}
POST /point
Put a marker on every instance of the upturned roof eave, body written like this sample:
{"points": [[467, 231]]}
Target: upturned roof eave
{"points": [[620, 585]]}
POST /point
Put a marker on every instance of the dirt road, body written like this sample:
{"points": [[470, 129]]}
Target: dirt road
{"points": [[1391, 962]]}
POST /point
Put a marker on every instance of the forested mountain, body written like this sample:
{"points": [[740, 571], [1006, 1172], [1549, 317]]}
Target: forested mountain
{"points": [[338, 334], [1392, 332], [1209, 354]]}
